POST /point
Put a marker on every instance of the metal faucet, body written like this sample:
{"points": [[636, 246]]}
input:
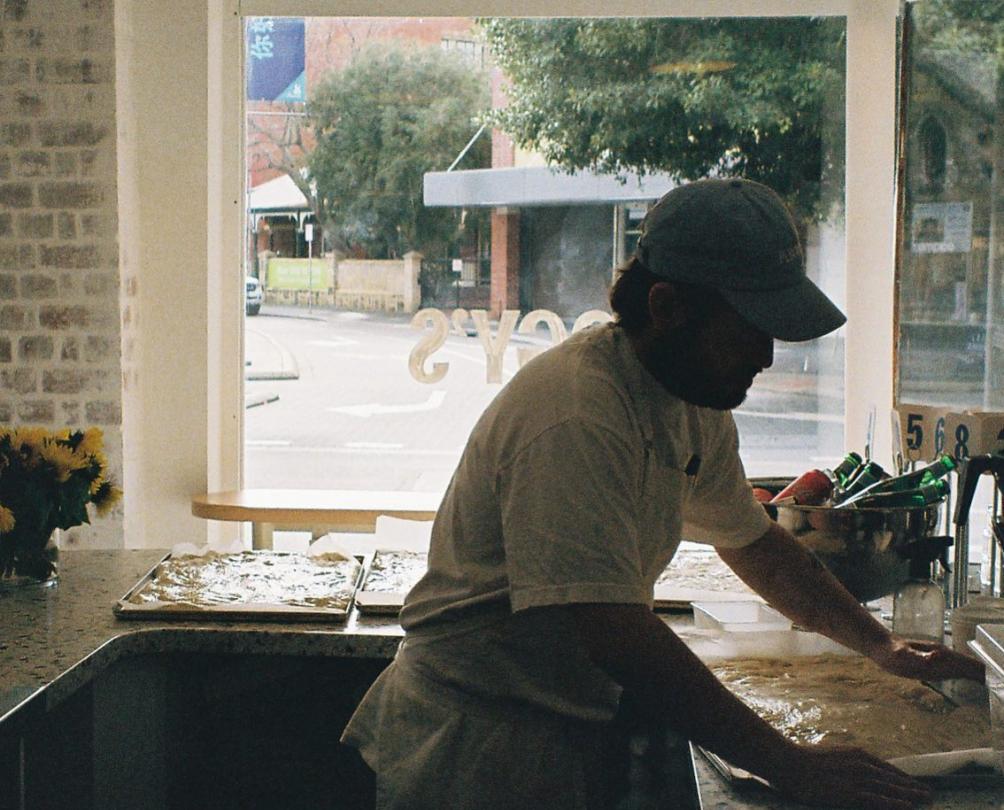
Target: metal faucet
{"points": [[970, 471]]}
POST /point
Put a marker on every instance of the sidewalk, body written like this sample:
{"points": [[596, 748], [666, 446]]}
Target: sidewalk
{"points": [[267, 359], [290, 311]]}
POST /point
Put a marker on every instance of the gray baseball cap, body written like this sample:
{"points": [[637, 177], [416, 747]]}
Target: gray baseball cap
{"points": [[737, 236]]}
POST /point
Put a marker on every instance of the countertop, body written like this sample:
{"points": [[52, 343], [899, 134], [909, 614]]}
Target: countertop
{"points": [[55, 639]]}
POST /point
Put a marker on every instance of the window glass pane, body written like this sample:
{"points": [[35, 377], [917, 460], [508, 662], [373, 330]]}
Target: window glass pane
{"points": [[492, 174], [950, 305]]}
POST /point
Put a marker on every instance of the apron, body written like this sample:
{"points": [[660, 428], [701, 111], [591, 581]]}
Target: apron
{"points": [[432, 745]]}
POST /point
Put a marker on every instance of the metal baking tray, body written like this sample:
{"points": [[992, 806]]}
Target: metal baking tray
{"points": [[957, 770], [126, 608], [382, 601], [970, 777]]}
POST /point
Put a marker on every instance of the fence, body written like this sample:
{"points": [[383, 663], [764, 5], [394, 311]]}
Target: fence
{"points": [[366, 285]]}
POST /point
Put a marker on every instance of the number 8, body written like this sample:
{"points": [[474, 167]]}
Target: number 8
{"points": [[961, 441]]}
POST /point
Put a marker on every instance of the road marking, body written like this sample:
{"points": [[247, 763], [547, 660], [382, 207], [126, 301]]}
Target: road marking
{"points": [[395, 358], [335, 343], [267, 443], [434, 401]]}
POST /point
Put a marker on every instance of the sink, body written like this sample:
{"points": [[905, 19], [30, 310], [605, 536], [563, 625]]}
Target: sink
{"points": [[182, 730]]}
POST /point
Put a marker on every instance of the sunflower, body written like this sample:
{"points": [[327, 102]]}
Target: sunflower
{"points": [[28, 438], [90, 444], [105, 497], [62, 460]]}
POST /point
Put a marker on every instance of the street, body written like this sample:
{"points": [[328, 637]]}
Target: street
{"points": [[331, 404], [353, 417]]}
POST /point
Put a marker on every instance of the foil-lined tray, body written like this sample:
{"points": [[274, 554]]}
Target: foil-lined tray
{"points": [[389, 577], [245, 586]]}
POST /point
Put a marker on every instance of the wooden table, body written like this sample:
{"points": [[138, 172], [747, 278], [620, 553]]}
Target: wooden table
{"points": [[315, 510]]}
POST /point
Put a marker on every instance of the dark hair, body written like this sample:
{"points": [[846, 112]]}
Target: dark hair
{"points": [[629, 296]]}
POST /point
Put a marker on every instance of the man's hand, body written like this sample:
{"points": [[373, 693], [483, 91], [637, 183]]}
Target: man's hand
{"points": [[793, 581], [846, 777], [925, 661]]}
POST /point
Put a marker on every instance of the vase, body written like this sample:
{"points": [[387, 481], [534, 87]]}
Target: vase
{"points": [[34, 565]]}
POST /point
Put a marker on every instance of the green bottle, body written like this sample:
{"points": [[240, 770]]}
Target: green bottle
{"points": [[869, 473], [843, 472], [923, 495], [937, 469]]}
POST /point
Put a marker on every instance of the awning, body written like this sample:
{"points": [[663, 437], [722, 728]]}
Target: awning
{"points": [[538, 186], [277, 195], [275, 198]]}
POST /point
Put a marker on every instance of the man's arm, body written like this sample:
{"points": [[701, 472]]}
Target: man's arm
{"points": [[794, 582], [638, 650]]}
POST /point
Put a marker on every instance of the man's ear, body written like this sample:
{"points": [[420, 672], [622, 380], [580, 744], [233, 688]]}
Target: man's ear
{"points": [[666, 306]]}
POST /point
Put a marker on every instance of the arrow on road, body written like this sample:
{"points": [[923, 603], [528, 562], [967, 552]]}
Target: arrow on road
{"points": [[434, 401]]}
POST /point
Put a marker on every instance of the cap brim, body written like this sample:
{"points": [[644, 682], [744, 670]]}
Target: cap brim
{"points": [[800, 312]]}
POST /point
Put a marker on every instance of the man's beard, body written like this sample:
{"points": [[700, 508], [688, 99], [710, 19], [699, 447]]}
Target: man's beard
{"points": [[676, 362]]}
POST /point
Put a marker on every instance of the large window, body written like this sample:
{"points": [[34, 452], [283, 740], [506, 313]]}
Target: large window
{"points": [[365, 208]]}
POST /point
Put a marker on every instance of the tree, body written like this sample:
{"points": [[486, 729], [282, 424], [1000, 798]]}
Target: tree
{"points": [[762, 98], [381, 123]]}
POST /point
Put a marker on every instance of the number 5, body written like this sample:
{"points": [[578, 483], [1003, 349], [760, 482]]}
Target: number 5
{"points": [[914, 431]]}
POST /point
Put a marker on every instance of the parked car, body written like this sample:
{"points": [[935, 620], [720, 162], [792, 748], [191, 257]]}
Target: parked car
{"points": [[253, 295]]}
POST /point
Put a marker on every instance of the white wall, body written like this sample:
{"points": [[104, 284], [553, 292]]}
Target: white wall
{"points": [[162, 140]]}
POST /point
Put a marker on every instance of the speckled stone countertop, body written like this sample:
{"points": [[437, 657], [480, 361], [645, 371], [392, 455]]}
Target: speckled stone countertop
{"points": [[54, 640]]}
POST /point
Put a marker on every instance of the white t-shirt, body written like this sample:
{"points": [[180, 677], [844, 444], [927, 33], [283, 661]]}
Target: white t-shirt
{"points": [[576, 485]]}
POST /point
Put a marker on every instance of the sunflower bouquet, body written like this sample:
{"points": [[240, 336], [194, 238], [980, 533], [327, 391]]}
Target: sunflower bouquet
{"points": [[47, 480]]}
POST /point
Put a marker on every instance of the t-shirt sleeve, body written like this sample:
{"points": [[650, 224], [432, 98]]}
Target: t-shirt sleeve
{"points": [[721, 510], [569, 518]]}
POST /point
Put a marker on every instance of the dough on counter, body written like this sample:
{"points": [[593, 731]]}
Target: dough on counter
{"points": [[252, 578], [849, 700]]}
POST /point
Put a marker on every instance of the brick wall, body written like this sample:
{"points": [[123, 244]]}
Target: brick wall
{"points": [[59, 278]]}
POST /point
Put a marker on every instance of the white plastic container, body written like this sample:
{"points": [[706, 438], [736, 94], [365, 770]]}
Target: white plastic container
{"points": [[738, 617], [989, 646]]}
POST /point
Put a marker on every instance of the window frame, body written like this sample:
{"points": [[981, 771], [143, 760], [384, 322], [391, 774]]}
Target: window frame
{"points": [[870, 234]]}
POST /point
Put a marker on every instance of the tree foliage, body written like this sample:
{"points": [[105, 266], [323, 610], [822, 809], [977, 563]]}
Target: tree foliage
{"points": [[381, 123], [962, 25], [761, 98]]}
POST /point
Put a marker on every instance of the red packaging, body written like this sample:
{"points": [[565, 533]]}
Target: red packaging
{"points": [[811, 488]]}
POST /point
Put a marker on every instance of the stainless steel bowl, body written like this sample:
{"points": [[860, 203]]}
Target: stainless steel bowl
{"points": [[861, 547]]}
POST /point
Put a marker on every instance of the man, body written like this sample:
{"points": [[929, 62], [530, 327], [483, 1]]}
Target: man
{"points": [[531, 637]]}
